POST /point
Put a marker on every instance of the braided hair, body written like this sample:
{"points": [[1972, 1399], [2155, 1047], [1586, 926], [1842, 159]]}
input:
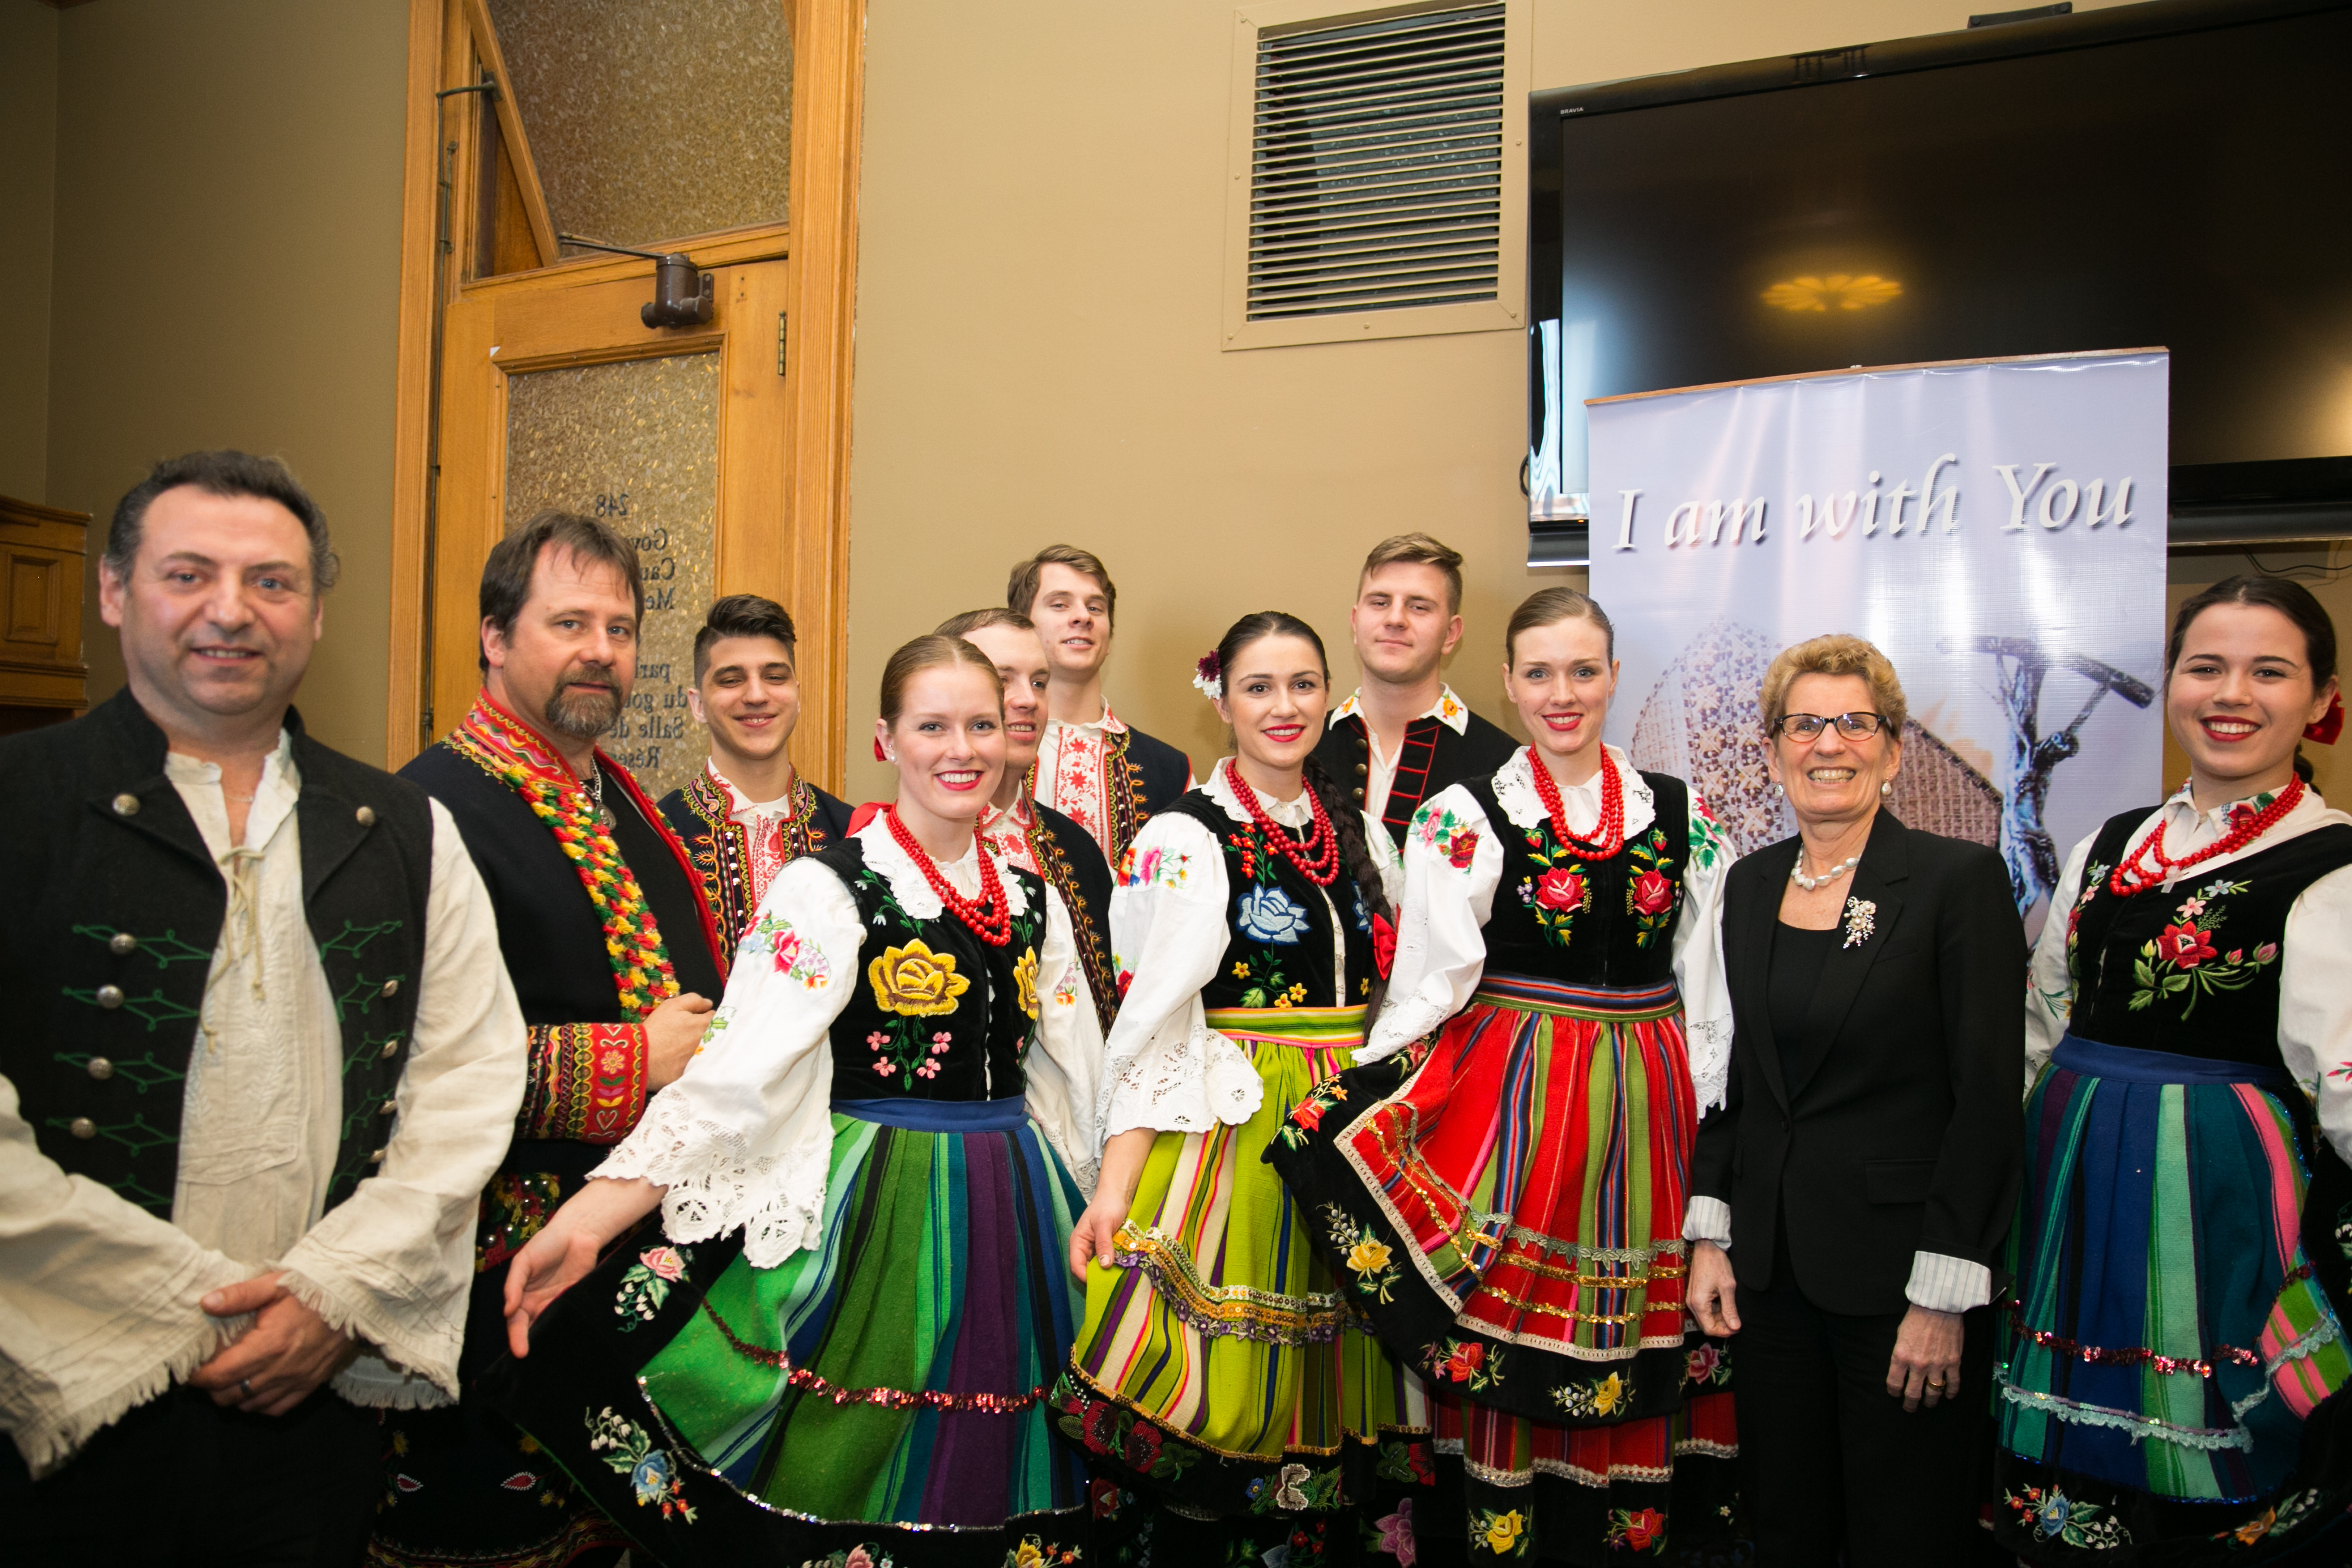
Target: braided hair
{"points": [[1347, 822]]}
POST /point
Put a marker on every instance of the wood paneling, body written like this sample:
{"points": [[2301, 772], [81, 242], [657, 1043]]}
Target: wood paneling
{"points": [[40, 611]]}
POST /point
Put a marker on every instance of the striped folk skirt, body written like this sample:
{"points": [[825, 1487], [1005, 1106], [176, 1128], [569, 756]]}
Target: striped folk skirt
{"points": [[2170, 1357], [1218, 1369], [1508, 1213], [882, 1391]]}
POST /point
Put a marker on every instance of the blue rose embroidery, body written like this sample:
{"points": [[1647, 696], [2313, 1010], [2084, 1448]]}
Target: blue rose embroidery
{"points": [[651, 1478], [1269, 914]]}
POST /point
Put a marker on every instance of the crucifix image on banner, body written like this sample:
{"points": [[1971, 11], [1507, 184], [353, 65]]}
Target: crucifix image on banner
{"points": [[1997, 527]]}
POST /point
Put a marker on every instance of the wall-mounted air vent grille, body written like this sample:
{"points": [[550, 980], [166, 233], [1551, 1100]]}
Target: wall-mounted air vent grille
{"points": [[1376, 171]]}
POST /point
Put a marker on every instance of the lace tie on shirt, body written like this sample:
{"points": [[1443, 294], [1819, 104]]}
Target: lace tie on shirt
{"points": [[242, 929]]}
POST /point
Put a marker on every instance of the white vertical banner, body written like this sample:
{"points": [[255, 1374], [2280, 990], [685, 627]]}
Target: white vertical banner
{"points": [[1997, 527]]}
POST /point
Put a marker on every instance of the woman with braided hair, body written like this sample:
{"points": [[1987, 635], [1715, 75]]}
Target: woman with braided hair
{"points": [[1499, 1185], [1218, 1371]]}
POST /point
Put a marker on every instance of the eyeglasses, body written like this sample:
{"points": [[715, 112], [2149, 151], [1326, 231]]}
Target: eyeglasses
{"points": [[1809, 726]]}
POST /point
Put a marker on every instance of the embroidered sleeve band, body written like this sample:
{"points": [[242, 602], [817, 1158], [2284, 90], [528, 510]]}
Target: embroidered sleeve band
{"points": [[587, 1081]]}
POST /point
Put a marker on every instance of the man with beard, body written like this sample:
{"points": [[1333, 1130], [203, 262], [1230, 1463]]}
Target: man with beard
{"points": [[261, 1059], [614, 958], [747, 815], [1404, 736], [1093, 768], [1023, 830]]}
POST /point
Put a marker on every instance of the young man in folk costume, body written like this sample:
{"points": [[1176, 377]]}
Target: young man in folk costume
{"points": [[1404, 736], [1019, 828], [615, 958], [263, 1059], [747, 815], [1102, 774]]}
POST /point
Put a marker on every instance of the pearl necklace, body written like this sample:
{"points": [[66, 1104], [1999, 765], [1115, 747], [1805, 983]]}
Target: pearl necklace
{"points": [[1797, 871]]}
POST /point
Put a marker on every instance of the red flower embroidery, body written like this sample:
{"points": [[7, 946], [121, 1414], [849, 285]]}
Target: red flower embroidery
{"points": [[2184, 945], [1384, 944], [1105, 1498], [1308, 1112], [1643, 1528], [1101, 1425], [1126, 979], [1465, 1360], [1142, 1447], [1652, 894], [1559, 888], [1460, 847]]}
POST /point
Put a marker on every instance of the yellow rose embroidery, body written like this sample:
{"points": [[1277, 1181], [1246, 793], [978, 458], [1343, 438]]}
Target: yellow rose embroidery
{"points": [[1368, 1256], [1607, 1392], [1025, 982], [1503, 1531], [915, 981], [1027, 1555]]}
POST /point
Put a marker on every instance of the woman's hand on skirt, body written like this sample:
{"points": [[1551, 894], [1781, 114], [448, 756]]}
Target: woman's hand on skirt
{"points": [[1926, 1368], [567, 1246], [1097, 1232], [1712, 1290]]}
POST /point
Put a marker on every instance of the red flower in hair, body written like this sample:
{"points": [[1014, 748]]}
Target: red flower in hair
{"points": [[1384, 944]]}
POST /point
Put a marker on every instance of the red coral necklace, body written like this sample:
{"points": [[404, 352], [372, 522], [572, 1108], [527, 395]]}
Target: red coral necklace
{"points": [[1609, 832], [1317, 859], [2150, 866], [990, 916]]}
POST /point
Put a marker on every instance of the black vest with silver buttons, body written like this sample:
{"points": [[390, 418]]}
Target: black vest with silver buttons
{"points": [[114, 908]]}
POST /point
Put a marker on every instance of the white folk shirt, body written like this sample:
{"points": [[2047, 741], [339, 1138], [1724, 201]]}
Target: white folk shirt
{"points": [[97, 1298], [1004, 829], [2314, 1015], [763, 822], [1170, 924], [744, 1139], [1070, 775], [1381, 774]]}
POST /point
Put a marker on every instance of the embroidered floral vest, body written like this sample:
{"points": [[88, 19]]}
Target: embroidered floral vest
{"points": [[2194, 970], [935, 1013], [1562, 915], [1278, 951]]}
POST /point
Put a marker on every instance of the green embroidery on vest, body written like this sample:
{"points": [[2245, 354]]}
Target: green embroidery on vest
{"points": [[353, 937], [363, 992], [166, 949], [133, 1189], [141, 1073], [154, 1008], [370, 1051], [135, 1134]]}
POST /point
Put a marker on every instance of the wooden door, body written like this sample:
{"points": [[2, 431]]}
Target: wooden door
{"points": [[561, 396]]}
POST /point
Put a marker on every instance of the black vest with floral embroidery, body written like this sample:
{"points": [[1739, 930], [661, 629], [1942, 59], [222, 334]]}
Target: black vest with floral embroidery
{"points": [[935, 1013], [1562, 915], [1279, 947], [2194, 970]]}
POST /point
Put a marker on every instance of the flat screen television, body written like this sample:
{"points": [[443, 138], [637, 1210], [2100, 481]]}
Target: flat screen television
{"points": [[2173, 175]]}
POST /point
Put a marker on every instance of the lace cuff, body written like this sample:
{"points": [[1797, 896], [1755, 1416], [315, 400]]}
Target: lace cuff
{"points": [[1708, 1041], [587, 1082], [1189, 1087], [713, 1183]]}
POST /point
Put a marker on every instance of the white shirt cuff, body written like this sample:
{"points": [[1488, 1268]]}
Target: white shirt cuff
{"points": [[1707, 1219], [1944, 1284]]}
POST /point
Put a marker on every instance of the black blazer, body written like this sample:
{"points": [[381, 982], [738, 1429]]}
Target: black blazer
{"points": [[1902, 1130]]}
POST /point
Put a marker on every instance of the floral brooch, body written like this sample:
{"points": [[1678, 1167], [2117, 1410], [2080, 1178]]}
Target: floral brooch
{"points": [[1861, 920]]}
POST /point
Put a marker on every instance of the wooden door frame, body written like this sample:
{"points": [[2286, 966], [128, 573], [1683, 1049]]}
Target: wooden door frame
{"points": [[808, 568]]}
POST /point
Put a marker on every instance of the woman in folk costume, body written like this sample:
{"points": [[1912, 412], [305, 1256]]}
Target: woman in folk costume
{"points": [[835, 1345], [1218, 1371], [2169, 1369], [1507, 1210]]}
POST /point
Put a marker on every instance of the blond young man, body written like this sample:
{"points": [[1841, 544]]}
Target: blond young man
{"points": [[1105, 776], [1404, 735]]}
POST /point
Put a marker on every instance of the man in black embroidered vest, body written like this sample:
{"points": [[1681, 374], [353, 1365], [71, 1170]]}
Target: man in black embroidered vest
{"points": [[1404, 736], [617, 963], [747, 815], [264, 1056], [1023, 830], [1094, 769]]}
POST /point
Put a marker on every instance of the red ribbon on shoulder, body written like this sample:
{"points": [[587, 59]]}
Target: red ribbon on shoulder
{"points": [[865, 814], [2330, 724]]}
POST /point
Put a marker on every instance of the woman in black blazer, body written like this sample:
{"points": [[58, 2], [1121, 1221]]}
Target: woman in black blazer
{"points": [[1850, 1199]]}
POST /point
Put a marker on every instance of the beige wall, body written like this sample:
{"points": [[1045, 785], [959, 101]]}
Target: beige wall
{"points": [[29, 166], [227, 245], [1040, 272]]}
